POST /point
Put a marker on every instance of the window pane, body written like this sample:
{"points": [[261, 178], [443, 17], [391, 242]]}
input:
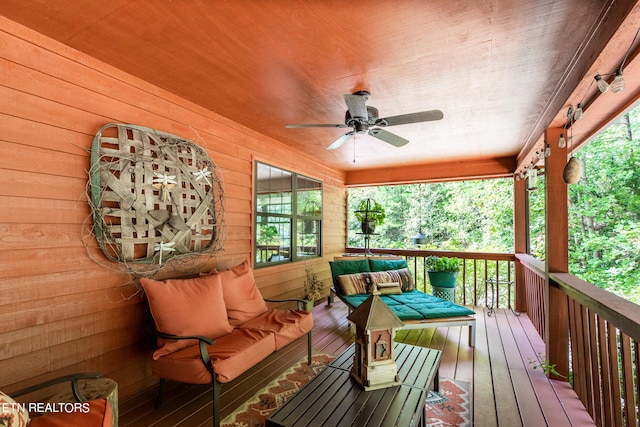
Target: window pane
{"points": [[308, 241], [309, 193], [274, 188], [273, 235]]}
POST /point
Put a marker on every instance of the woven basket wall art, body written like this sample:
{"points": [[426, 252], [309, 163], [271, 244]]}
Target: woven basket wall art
{"points": [[154, 195]]}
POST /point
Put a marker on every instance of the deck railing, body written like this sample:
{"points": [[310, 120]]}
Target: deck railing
{"points": [[604, 329], [485, 279], [534, 277], [604, 332]]}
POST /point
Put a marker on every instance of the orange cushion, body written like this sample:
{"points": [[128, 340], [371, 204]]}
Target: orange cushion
{"points": [[186, 307], [241, 295], [95, 412], [287, 325], [231, 355]]}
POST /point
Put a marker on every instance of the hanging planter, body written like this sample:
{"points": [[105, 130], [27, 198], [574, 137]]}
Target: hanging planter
{"points": [[370, 214]]}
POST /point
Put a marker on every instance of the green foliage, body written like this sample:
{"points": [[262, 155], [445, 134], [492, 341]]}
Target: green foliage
{"points": [[545, 365], [469, 215], [604, 209], [604, 213], [268, 235], [435, 263], [369, 209]]}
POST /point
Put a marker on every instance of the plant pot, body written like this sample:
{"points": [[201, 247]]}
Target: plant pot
{"points": [[368, 227], [443, 279], [308, 305]]}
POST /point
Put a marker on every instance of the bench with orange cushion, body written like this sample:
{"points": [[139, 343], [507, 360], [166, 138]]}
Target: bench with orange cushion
{"points": [[214, 327], [83, 413]]}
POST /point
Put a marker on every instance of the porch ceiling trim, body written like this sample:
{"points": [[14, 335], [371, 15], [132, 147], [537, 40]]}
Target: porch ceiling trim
{"points": [[434, 172]]}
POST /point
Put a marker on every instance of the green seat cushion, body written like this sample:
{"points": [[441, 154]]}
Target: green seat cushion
{"points": [[387, 264], [430, 307], [415, 305]]}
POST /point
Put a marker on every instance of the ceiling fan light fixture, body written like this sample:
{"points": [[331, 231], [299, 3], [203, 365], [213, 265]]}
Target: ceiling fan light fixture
{"points": [[360, 117], [617, 85], [603, 86]]}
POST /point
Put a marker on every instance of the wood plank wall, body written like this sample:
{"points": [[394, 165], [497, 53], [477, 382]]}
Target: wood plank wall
{"points": [[61, 311]]}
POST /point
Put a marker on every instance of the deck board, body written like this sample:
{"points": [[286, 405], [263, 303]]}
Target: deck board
{"points": [[506, 390]]}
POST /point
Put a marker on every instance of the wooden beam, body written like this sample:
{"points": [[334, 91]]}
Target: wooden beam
{"points": [[556, 255], [612, 16], [433, 172]]}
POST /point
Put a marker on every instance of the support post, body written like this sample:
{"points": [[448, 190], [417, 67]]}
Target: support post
{"points": [[521, 237], [556, 255]]}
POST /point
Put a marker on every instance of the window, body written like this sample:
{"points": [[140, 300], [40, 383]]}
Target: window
{"points": [[288, 213]]}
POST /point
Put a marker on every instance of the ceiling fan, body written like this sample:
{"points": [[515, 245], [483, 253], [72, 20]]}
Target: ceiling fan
{"points": [[361, 118]]}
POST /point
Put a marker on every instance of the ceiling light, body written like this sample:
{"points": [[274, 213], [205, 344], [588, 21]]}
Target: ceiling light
{"points": [[603, 86], [618, 83], [562, 142]]}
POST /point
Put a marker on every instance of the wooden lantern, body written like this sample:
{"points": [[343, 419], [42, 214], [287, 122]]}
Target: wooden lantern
{"points": [[374, 365]]}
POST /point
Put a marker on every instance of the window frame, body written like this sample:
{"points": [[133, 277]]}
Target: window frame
{"points": [[292, 238]]}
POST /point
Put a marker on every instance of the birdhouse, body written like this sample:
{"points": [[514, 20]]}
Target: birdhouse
{"points": [[374, 364]]}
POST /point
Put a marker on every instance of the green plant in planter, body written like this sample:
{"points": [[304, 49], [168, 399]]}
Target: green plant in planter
{"points": [[370, 214], [442, 271], [436, 263]]}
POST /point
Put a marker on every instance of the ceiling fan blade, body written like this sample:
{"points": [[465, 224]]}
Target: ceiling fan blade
{"points": [[338, 142], [304, 125], [403, 119], [388, 137], [357, 106]]}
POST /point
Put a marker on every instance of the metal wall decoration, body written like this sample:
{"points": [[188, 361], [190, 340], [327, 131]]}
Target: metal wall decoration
{"points": [[153, 195]]}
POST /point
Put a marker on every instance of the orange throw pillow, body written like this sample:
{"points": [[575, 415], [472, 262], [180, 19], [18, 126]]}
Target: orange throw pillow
{"points": [[192, 306], [241, 295]]}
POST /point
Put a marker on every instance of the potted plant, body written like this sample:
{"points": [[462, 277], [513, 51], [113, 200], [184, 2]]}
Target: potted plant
{"points": [[370, 214], [443, 273], [312, 288]]}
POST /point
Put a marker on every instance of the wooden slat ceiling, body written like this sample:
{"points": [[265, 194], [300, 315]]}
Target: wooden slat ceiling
{"points": [[501, 71]]}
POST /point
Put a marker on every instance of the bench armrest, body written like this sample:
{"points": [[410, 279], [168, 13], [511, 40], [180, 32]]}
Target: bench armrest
{"points": [[202, 345], [73, 378]]}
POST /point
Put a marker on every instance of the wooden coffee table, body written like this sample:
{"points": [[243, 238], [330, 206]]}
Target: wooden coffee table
{"points": [[333, 398]]}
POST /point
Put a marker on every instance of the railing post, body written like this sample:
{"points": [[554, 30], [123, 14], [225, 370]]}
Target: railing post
{"points": [[556, 254]]}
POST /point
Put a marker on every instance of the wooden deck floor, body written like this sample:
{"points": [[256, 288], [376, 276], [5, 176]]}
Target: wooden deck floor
{"points": [[506, 389]]}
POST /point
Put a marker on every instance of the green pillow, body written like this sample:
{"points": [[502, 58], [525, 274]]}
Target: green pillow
{"points": [[347, 267], [387, 264]]}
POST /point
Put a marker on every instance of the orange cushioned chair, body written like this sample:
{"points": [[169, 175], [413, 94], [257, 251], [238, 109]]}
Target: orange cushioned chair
{"points": [[82, 413], [214, 327]]}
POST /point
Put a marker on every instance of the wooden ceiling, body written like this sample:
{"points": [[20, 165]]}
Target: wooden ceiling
{"points": [[501, 71]]}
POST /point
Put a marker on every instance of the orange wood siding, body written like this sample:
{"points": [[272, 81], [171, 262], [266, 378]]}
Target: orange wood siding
{"points": [[60, 311]]}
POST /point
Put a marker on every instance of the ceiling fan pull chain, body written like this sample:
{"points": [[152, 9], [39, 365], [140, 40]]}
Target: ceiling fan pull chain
{"points": [[354, 148]]}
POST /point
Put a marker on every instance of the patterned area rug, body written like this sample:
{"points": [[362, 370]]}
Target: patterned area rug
{"points": [[254, 412], [449, 407]]}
